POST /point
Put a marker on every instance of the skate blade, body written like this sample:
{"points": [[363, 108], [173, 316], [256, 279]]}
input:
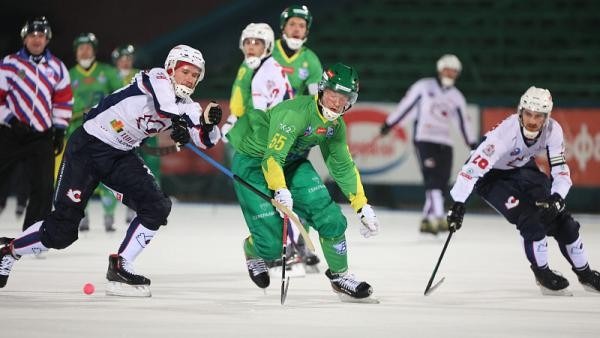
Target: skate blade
{"points": [[589, 288], [431, 289], [126, 290], [349, 299], [547, 292]]}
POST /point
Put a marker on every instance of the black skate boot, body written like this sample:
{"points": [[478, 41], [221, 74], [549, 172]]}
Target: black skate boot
{"points": [[590, 279], [7, 259], [310, 260], [551, 283], [349, 289], [428, 227], [259, 272], [122, 280]]}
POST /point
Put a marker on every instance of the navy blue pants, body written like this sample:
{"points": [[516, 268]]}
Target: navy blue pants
{"points": [[87, 162], [435, 161]]}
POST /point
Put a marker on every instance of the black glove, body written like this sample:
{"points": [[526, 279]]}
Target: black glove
{"points": [[551, 207], [473, 146], [455, 216], [385, 129], [58, 140], [212, 116], [179, 133]]}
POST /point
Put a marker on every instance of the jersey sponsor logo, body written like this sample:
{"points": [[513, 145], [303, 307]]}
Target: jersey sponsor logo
{"points": [[287, 128], [515, 152], [489, 150], [74, 195], [117, 125], [321, 131], [288, 70], [89, 80], [465, 175], [160, 76], [329, 132], [511, 203], [308, 131]]}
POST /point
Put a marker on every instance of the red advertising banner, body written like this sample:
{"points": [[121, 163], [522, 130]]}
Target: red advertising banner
{"points": [[581, 127], [186, 162]]}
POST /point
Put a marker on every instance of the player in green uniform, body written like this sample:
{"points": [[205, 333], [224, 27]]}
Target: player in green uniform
{"points": [[123, 58], [91, 81], [301, 64], [271, 150]]}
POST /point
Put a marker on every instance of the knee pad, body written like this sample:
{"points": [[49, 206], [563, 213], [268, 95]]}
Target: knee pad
{"points": [[153, 213], [61, 228], [566, 229]]}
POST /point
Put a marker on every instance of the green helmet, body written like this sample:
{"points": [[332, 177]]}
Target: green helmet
{"points": [[124, 50], [297, 11], [341, 79], [85, 38]]}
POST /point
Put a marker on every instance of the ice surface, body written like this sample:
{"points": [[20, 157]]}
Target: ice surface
{"points": [[201, 288]]}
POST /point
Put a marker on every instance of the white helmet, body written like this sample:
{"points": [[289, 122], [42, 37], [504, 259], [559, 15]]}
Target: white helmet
{"points": [[448, 61], [260, 31], [187, 54], [537, 100]]}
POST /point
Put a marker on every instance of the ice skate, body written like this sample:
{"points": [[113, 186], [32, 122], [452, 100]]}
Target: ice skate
{"points": [[122, 280], [428, 227], [442, 225], [551, 283], [259, 272], [84, 224], [589, 279], [6, 260], [309, 259], [294, 267], [109, 221], [349, 289]]}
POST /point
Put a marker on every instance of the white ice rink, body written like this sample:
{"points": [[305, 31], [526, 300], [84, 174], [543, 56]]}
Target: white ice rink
{"points": [[201, 287]]}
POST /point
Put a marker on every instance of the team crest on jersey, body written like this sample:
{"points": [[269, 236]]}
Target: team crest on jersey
{"points": [[102, 78], [489, 150], [340, 248], [117, 125], [303, 73], [329, 132], [149, 125], [308, 131], [21, 74], [49, 72], [511, 203], [515, 152]]}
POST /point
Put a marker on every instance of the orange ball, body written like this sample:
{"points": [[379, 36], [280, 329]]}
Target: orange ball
{"points": [[88, 288]]}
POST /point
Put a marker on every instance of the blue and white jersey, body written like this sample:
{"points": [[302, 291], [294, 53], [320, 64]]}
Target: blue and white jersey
{"points": [[142, 109], [37, 94], [504, 148], [435, 109]]}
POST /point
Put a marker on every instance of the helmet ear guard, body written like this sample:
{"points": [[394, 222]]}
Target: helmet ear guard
{"points": [[187, 54]]}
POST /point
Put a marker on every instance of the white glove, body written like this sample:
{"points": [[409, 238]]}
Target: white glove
{"points": [[226, 127], [370, 224], [284, 197]]}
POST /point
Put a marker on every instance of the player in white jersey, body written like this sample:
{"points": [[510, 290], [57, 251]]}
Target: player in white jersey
{"points": [[502, 171], [102, 150], [435, 104], [269, 84]]}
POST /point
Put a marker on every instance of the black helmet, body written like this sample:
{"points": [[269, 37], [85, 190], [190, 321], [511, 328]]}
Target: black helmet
{"points": [[37, 24], [123, 50]]}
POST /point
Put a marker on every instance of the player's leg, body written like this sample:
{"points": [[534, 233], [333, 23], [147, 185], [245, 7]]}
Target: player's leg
{"points": [[109, 204], [39, 166], [429, 157], [313, 202], [263, 221]]}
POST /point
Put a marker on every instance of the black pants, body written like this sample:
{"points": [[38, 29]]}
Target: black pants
{"points": [[21, 144], [435, 161], [87, 162]]}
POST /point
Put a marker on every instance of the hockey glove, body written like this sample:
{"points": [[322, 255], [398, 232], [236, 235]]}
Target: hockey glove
{"points": [[551, 207], [370, 223], [385, 129], [212, 115], [180, 133], [58, 140], [284, 197], [226, 127], [455, 216]]}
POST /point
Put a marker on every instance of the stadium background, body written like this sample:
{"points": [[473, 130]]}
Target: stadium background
{"points": [[505, 46]]}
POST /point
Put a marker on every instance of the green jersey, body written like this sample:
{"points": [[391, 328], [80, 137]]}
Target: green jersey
{"points": [[241, 91], [89, 86], [126, 78], [303, 68], [287, 132]]}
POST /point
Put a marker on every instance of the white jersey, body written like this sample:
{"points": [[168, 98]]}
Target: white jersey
{"points": [[270, 85], [143, 109], [435, 109], [504, 148]]}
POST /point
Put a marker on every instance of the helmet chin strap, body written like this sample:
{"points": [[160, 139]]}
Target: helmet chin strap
{"points": [[294, 43], [253, 62], [530, 135], [447, 81]]}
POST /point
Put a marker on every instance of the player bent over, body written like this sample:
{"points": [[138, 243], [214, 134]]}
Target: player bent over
{"points": [[102, 150], [502, 172], [271, 154]]}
